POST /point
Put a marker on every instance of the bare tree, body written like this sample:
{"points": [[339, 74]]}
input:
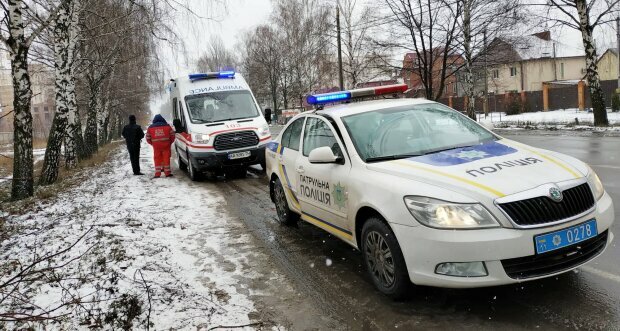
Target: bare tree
{"points": [[585, 16], [18, 44], [428, 29], [217, 57]]}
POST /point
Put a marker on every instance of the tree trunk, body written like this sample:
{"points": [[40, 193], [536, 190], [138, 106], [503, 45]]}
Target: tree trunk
{"points": [[23, 182], [71, 138], [469, 76], [80, 146], [596, 93], [90, 133], [62, 66]]}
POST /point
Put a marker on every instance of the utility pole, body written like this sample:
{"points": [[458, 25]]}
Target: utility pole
{"points": [[340, 78], [486, 76], [618, 50]]}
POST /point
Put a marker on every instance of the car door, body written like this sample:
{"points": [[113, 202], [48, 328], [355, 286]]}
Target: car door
{"points": [[322, 188], [288, 151]]}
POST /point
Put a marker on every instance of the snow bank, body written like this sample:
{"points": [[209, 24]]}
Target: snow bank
{"points": [[162, 250], [565, 118]]}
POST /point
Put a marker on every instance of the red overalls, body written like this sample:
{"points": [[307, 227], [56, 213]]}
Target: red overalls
{"points": [[161, 137]]}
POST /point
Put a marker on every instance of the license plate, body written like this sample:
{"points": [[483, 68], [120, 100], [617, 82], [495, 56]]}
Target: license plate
{"points": [[555, 240], [239, 155]]}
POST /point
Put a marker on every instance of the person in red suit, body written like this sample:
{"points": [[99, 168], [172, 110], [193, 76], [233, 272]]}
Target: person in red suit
{"points": [[161, 136]]}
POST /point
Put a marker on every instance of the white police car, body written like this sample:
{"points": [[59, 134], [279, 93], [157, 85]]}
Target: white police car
{"points": [[431, 197]]}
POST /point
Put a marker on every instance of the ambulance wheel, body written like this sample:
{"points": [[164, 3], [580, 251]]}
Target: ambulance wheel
{"points": [[192, 172], [182, 164], [384, 259], [285, 215]]}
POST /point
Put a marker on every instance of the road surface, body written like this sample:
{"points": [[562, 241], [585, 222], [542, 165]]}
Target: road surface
{"points": [[330, 274]]}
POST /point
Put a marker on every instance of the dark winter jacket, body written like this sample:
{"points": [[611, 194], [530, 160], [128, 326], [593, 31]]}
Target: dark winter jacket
{"points": [[158, 120], [133, 134]]}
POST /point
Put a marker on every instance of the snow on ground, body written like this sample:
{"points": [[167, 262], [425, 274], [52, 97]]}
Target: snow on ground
{"points": [[158, 249], [564, 119]]}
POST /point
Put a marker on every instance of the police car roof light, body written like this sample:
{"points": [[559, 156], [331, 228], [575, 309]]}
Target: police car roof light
{"points": [[217, 74], [357, 93]]}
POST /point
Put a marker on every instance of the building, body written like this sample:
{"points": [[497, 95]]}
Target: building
{"points": [[608, 65], [526, 63], [411, 72], [42, 103]]}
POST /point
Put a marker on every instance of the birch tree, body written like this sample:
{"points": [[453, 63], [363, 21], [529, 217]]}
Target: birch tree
{"points": [[18, 39], [64, 43], [585, 16]]}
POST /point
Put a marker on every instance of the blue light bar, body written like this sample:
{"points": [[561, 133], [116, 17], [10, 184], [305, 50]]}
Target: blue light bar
{"points": [[226, 74], [328, 97], [208, 75]]}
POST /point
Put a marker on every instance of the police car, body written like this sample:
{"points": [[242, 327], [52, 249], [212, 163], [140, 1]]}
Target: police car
{"points": [[431, 197]]}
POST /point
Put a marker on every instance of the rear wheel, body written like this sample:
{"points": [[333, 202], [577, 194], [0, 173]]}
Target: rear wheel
{"points": [[285, 215], [384, 259], [192, 172]]}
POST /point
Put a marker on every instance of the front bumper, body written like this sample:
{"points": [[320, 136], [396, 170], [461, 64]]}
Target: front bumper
{"points": [[424, 248], [211, 161]]}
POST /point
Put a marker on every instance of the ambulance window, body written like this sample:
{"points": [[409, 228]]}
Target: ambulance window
{"points": [[182, 115], [175, 112], [292, 136], [318, 134]]}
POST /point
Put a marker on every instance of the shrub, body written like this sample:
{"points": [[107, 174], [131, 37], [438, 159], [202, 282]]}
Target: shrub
{"points": [[615, 102]]}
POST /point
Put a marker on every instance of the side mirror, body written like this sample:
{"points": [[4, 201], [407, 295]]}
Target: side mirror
{"points": [[178, 127], [323, 155]]}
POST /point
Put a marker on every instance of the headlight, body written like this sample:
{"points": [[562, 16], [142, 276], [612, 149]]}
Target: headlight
{"points": [[595, 183], [200, 138], [264, 130], [448, 215]]}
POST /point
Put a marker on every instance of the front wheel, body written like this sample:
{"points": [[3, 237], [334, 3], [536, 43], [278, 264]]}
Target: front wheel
{"points": [[285, 215], [384, 259], [192, 172]]}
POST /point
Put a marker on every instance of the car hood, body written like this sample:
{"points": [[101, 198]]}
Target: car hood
{"points": [[494, 169]]}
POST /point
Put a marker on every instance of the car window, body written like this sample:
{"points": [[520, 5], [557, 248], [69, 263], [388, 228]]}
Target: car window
{"points": [[412, 130], [318, 134], [292, 136]]}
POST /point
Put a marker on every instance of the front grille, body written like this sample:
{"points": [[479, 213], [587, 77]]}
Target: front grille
{"points": [[555, 261], [233, 140], [541, 210]]}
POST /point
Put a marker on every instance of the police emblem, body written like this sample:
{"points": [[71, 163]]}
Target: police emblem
{"points": [[557, 240], [340, 197]]}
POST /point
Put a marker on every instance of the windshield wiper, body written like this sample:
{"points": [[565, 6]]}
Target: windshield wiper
{"points": [[391, 157], [447, 149]]}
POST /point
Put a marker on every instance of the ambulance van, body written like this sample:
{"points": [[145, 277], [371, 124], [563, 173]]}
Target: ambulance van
{"points": [[219, 126]]}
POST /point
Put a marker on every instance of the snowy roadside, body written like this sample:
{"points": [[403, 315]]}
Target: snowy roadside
{"points": [[161, 252], [556, 120]]}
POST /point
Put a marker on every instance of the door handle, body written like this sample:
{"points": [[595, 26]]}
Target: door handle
{"points": [[301, 170]]}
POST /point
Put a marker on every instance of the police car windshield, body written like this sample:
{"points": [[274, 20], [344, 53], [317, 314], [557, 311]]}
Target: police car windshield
{"points": [[221, 106], [401, 132]]}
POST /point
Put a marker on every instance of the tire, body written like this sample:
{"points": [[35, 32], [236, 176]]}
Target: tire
{"points": [[393, 283], [192, 172], [182, 164], [285, 215]]}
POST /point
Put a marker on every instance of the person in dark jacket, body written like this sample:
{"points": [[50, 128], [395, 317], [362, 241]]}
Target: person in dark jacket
{"points": [[133, 134]]}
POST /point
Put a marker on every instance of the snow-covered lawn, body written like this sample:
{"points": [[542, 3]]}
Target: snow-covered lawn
{"points": [[560, 118], [162, 250]]}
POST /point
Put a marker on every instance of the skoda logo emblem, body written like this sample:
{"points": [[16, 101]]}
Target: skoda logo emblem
{"points": [[555, 194]]}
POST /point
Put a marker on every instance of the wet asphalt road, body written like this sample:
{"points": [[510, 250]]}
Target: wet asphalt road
{"points": [[328, 275]]}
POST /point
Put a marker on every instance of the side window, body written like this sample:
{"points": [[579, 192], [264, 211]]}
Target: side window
{"points": [[292, 136], [182, 115], [318, 134]]}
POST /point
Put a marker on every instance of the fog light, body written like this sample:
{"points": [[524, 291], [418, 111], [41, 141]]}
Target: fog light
{"points": [[462, 269], [201, 161]]}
